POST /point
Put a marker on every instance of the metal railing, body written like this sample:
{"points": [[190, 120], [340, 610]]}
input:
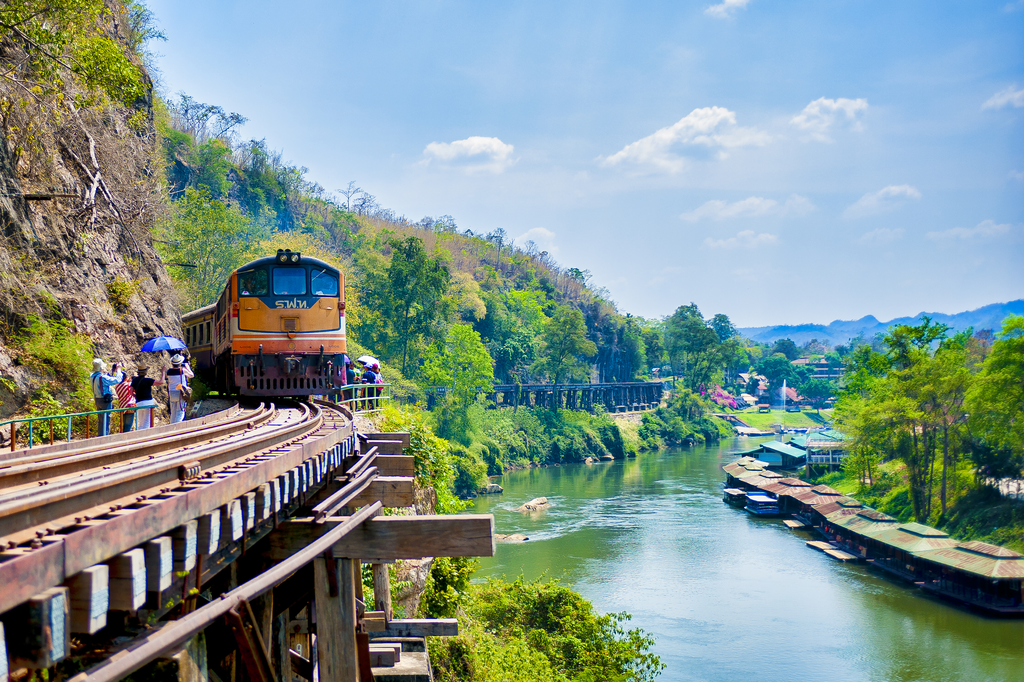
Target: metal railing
{"points": [[362, 398], [68, 432]]}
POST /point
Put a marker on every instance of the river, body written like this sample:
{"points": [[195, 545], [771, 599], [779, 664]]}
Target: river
{"points": [[729, 597]]}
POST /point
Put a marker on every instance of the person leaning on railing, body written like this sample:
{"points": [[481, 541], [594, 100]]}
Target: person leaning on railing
{"points": [[349, 394], [126, 398]]}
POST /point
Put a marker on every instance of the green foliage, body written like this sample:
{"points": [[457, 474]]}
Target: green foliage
{"points": [[435, 467], [818, 391], [996, 400], [447, 586], [408, 298], [776, 369], [461, 365], [541, 631], [213, 236], [120, 292], [692, 346], [102, 65], [684, 420], [565, 346]]}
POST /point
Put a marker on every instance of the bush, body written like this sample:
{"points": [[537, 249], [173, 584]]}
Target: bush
{"points": [[541, 631], [120, 292]]}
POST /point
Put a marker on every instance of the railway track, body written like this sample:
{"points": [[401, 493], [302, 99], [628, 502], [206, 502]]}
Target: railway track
{"points": [[63, 509], [125, 541]]}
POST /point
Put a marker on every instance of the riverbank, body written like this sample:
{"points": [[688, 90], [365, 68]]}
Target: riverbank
{"points": [[974, 513], [651, 535]]}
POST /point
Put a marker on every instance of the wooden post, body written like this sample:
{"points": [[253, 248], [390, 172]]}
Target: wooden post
{"points": [[184, 545], [335, 620], [381, 589], [208, 533], [249, 510], [90, 599], [3, 656], [42, 637], [279, 649], [231, 520], [128, 581]]}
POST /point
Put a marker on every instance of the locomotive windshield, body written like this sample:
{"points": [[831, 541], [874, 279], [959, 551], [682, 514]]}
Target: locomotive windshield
{"points": [[289, 281], [253, 283], [323, 283]]}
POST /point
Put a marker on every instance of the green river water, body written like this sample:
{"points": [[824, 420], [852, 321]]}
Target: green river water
{"points": [[727, 596]]}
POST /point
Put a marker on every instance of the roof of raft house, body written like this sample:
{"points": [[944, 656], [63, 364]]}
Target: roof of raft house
{"points": [[924, 542]]}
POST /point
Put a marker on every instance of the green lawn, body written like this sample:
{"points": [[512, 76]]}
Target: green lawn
{"points": [[764, 421]]}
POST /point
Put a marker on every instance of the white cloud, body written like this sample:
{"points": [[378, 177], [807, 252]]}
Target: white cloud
{"points": [[987, 229], [708, 127], [821, 114], [746, 239], [716, 209], [882, 235], [1013, 6], [726, 8], [1008, 97], [885, 199], [1016, 175], [488, 154], [542, 237]]}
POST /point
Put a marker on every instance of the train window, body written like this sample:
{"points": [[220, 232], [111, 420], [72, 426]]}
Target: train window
{"points": [[289, 281], [323, 283], [253, 283], [206, 336]]}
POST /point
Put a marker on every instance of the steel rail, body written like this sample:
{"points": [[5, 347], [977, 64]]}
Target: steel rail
{"points": [[351, 490], [25, 571], [33, 506], [41, 452], [175, 634], [18, 472]]}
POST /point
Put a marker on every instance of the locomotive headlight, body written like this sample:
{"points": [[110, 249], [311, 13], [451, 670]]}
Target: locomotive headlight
{"points": [[295, 258]]}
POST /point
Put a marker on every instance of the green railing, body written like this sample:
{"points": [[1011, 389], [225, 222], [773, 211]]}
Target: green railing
{"points": [[364, 398], [361, 398], [68, 428]]}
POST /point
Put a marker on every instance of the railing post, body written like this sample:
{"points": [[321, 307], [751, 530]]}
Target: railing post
{"points": [[51, 430], [14, 434]]}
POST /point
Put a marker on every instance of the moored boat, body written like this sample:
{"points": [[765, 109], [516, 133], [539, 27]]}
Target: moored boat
{"points": [[735, 497], [760, 504]]}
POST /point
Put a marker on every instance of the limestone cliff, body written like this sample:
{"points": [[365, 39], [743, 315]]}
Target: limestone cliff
{"points": [[79, 197]]}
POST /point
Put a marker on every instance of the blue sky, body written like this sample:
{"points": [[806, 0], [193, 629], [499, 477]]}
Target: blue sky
{"points": [[781, 162]]}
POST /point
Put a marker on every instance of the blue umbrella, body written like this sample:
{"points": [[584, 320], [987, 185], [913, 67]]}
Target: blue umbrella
{"points": [[162, 343]]}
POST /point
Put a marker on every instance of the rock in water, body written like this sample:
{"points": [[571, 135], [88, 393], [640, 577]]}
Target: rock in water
{"points": [[492, 489], [536, 504], [514, 537]]}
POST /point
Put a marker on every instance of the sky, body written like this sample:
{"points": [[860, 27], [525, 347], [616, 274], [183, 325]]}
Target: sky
{"points": [[779, 162]]}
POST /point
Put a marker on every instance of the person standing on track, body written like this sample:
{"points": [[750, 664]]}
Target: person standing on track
{"points": [[176, 379], [143, 386], [103, 393]]}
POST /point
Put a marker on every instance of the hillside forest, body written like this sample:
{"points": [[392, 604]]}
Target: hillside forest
{"points": [[162, 199]]}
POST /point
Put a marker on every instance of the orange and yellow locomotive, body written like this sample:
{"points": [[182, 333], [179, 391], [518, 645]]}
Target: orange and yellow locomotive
{"points": [[278, 329]]}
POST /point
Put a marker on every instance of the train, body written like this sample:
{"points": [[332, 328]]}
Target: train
{"points": [[277, 329]]}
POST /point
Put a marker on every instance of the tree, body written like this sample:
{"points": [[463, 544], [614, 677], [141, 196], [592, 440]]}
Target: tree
{"points": [[463, 367], [565, 346], [461, 364], [787, 348], [408, 297], [212, 236], [723, 327], [996, 400], [776, 369], [818, 391], [692, 346]]}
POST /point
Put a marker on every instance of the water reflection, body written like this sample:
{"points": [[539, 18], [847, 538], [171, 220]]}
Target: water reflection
{"points": [[729, 596]]}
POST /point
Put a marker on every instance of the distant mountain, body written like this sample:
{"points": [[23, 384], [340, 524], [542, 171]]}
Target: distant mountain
{"points": [[841, 331]]}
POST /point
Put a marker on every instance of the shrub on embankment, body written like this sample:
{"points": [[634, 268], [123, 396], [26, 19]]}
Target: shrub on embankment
{"points": [[540, 631]]}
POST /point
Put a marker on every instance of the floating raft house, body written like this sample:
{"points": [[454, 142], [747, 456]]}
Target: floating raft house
{"points": [[983, 576]]}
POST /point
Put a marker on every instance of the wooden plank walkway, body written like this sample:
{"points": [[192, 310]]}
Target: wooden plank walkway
{"points": [[794, 525], [841, 555]]}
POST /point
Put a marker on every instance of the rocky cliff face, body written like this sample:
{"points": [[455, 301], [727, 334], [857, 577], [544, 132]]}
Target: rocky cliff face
{"points": [[76, 211]]}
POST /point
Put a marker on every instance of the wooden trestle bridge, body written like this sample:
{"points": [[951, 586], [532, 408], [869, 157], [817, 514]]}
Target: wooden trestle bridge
{"points": [[226, 548], [613, 397]]}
